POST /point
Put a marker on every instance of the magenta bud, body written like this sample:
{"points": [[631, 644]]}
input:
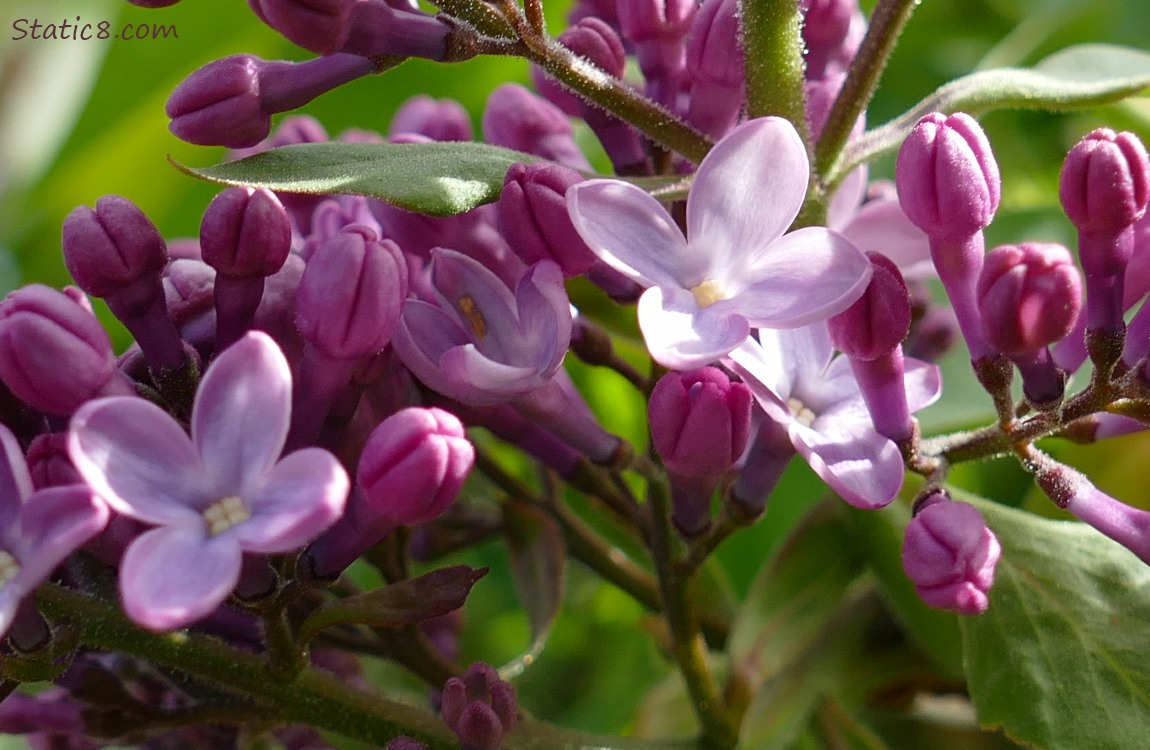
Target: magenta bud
{"points": [[715, 67], [950, 554], [479, 707], [321, 26], [49, 463], [229, 102], [1105, 186], [54, 355], [518, 119], [351, 293], [438, 119], [390, 28], [245, 232], [643, 20], [700, 422], [414, 464], [595, 40], [947, 178], [533, 218], [879, 320], [826, 22], [1030, 295], [111, 247]]}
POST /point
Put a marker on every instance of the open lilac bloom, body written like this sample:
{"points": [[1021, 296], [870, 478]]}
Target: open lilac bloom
{"points": [[37, 529], [869, 215], [480, 342], [794, 378], [737, 269], [214, 496]]}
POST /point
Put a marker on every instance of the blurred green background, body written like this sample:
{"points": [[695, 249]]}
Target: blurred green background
{"points": [[82, 119]]}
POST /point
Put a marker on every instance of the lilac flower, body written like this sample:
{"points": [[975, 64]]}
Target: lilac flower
{"points": [[798, 384], [37, 529], [480, 342], [214, 496], [737, 269]]}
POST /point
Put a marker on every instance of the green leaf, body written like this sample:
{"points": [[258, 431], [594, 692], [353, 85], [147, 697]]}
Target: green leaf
{"points": [[1060, 660], [538, 567], [1084, 75], [440, 179], [403, 603]]}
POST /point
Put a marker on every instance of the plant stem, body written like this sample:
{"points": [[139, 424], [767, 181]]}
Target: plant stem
{"points": [[886, 23], [719, 732], [773, 43]]}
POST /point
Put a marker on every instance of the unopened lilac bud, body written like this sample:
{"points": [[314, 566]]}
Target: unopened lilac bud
{"points": [[715, 67], [518, 119], [1030, 295], [112, 246], [947, 179], [380, 28], [950, 554], [879, 320], [1104, 188], [700, 421], [48, 462], [827, 30], [321, 26], [54, 355], [479, 707], [949, 187], [656, 28], [245, 232], [230, 102], [414, 464], [438, 119], [533, 216], [351, 293]]}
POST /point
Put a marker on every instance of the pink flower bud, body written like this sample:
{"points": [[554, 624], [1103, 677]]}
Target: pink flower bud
{"points": [[1105, 184], [1030, 296], [112, 246], [479, 707], [950, 554], [533, 217], [438, 119], [414, 464], [518, 119], [715, 67], [245, 232], [879, 320], [321, 26], [947, 178]]}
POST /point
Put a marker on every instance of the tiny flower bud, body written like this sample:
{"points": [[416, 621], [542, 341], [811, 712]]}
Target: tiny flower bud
{"points": [[715, 67], [879, 320], [479, 707], [533, 217], [112, 246], [321, 26], [950, 554], [518, 119], [1030, 295], [656, 29], [414, 464], [48, 461], [245, 232], [54, 354], [438, 119], [700, 421]]}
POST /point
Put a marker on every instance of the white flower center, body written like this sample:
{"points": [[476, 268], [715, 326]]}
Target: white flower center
{"points": [[225, 514], [8, 568], [802, 414], [708, 293]]}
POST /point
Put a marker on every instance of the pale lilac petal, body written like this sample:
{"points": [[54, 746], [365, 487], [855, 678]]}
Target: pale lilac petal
{"points": [[479, 381], [15, 482], [765, 373], [863, 467], [172, 576], [139, 460], [484, 305], [632, 232], [302, 496], [881, 226], [10, 598], [544, 316], [242, 412], [835, 397], [681, 336], [846, 200], [53, 524], [804, 277], [923, 383], [805, 353], [747, 191]]}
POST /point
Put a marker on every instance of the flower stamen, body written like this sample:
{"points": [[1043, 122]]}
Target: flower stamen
{"points": [[471, 312], [225, 514], [803, 415], [8, 567], [708, 293]]}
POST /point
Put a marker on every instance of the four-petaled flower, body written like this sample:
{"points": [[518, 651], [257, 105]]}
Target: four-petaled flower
{"points": [[737, 268], [214, 496], [794, 378]]}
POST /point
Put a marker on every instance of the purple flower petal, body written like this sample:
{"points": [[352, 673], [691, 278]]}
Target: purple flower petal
{"points": [[544, 315], [863, 467], [174, 575], [242, 412], [747, 191], [136, 457], [15, 482], [479, 381], [301, 496], [923, 383], [804, 277], [53, 524], [881, 226], [632, 232], [481, 301], [681, 336]]}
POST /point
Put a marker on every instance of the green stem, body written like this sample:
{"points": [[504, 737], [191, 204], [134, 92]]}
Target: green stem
{"points": [[886, 24], [773, 42], [719, 731]]}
